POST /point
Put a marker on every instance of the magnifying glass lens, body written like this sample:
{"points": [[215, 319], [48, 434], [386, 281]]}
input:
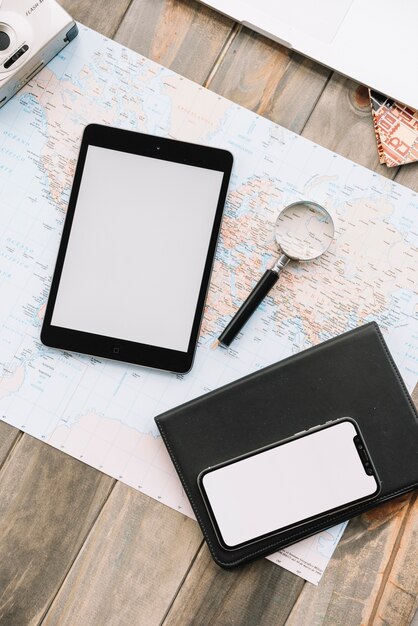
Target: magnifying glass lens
{"points": [[304, 230]]}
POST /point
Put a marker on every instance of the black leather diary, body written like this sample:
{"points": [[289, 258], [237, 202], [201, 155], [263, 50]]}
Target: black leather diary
{"points": [[352, 375]]}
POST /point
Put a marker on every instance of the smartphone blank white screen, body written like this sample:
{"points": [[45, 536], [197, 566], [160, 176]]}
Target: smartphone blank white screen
{"points": [[287, 484], [137, 248]]}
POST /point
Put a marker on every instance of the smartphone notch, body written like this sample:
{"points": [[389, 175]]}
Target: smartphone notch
{"points": [[364, 456]]}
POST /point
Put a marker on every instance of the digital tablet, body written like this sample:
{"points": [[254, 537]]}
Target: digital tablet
{"points": [[137, 248]]}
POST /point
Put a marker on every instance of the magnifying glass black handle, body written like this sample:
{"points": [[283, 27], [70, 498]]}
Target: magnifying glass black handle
{"points": [[266, 282]]}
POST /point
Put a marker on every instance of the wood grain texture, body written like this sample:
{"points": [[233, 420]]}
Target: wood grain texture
{"points": [[372, 577], [342, 122], [48, 503], [267, 78], [414, 396], [8, 437], [101, 15], [351, 583], [130, 567], [398, 600], [187, 37], [257, 594]]}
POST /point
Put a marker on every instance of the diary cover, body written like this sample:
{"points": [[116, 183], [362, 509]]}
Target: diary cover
{"points": [[352, 375]]}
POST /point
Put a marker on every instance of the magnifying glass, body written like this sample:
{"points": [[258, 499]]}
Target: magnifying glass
{"points": [[304, 230]]}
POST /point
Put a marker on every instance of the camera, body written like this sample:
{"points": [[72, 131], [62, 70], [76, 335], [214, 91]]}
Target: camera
{"points": [[32, 32]]}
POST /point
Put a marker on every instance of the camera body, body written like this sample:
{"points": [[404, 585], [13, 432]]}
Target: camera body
{"points": [[32, 32]]}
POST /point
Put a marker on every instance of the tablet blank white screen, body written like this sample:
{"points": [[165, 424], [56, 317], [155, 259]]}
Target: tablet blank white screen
{"points": [[137, 248]]}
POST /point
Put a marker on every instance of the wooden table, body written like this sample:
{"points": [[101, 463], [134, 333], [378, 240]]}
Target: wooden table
{"points": [[79, 548]]}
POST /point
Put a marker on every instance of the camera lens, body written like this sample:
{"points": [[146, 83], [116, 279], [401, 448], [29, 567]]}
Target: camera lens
{"points": [[4, 40]]}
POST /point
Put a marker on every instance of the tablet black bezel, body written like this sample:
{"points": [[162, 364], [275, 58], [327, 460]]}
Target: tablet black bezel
{"points": [[113, 347]]}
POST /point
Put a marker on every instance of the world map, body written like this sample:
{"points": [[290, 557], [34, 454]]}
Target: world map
{"points": [[102, 412]]}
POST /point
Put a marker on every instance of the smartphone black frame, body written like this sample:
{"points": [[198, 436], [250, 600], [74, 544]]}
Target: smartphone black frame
{"points": [[113, 347], [365, 458]]}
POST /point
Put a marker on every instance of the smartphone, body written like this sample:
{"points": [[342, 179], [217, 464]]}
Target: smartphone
{"points": [[309, 475]]}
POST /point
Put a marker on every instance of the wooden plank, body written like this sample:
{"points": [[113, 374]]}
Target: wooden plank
{"points": [[372, 575], [285, 87], [102, 15], [260, 593], [48, 503], [342, 122], [131, 565], [8, 438], [184, 36], [414, 395], [269, 79], [398, 600], [352, 580]]}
